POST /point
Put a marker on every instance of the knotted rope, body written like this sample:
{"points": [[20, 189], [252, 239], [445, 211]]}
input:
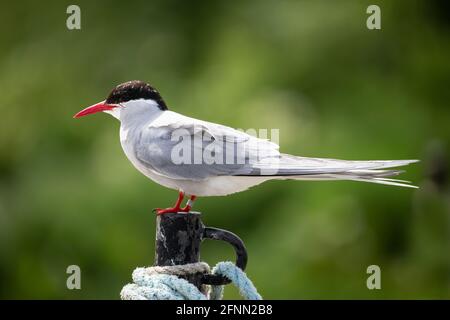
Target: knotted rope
{"points": [[164, 283]]}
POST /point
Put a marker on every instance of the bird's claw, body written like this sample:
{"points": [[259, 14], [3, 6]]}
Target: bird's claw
{"points": [[160, 211], [185, 209], [164, 211]]}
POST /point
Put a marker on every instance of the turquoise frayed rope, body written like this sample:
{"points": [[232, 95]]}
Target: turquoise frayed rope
{"points": [[164, 283]]}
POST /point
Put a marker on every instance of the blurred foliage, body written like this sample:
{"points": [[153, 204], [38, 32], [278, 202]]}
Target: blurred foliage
{"points": [[311, 68]]}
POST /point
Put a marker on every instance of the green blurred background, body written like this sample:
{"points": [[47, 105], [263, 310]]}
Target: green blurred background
{"points": [[68, 195]]}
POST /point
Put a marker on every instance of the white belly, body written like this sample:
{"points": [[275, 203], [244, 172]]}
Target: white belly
{"points": [[218, 186]]}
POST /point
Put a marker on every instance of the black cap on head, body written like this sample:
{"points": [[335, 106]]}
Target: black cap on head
{"points": [[135, 90]]}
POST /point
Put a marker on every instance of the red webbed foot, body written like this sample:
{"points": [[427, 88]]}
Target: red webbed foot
{"points": [[176, 208]]}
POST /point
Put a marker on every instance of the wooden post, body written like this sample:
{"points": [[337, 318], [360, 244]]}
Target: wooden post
{"points": [[178, 239]]}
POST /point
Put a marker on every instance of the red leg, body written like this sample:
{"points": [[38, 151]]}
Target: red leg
{"points": [[189, 204], [176, 208]]}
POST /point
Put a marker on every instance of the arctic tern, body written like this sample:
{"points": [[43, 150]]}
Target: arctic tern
{"points": [[150, 136]]}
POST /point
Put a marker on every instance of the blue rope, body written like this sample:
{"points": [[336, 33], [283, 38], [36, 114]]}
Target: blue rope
{"points": [[170, 287], [238, 278]]}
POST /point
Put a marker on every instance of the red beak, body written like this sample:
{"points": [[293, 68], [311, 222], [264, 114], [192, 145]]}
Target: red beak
{"points": [[101, 106]]}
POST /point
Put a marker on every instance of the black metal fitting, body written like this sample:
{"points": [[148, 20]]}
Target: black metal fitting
{"points": [[178, 239]]}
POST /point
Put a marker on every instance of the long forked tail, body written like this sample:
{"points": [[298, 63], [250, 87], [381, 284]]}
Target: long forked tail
{"points": [[376, 171]]}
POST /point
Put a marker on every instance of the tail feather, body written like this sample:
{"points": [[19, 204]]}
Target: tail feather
{"points": [[391, 182], [300, 168]]}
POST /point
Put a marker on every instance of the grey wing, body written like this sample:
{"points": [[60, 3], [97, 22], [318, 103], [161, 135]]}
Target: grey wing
{"points": [[201, 151]]}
